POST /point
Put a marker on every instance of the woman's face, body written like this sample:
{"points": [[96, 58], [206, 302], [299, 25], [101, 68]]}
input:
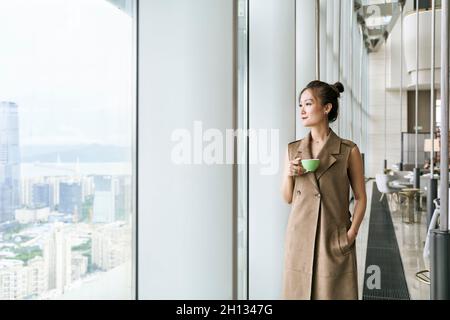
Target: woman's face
{"points": [[311, 111]]}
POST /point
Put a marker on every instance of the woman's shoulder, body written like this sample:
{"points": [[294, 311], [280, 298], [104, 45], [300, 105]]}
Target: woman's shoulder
{"points": [[348, 143], [294, 142], [292, 148]]}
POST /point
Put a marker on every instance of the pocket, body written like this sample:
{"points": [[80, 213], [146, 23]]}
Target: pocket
{"points": [[297, 194], [343, 241]]}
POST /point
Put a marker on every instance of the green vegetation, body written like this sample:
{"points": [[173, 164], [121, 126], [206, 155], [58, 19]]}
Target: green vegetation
{"points": [[120, 214], [88, 206], [26, 254], [91, 268], [86, 246], [11, 233], [85, 249]]}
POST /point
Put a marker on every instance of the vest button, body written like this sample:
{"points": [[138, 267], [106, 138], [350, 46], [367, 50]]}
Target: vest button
{"points": [[318, 195]]}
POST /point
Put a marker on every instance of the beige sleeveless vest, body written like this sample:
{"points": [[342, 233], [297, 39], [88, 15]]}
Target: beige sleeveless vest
{"points": [[319, 263]]}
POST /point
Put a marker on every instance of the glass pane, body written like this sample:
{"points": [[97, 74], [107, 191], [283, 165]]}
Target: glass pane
{"points": [[66, 141]]}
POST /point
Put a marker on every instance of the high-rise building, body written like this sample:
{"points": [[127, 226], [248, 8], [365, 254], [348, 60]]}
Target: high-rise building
{"points": [[37, 277], [54, 183], [42, 195], [9, 161], [58, 258], [110, 246], [128, 201], [25, 216], [26, 192], [13, 280], [87, 187], [79, 265], [70, 200], [22, 281], [119, 199], [104, 200]]}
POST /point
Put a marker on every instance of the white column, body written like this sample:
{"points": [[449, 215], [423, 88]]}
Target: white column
{"points": [[272, 106], [186, 74]]}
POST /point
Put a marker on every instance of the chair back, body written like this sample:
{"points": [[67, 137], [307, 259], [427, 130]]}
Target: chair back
{"points": [[382, 181], [401, 175]]}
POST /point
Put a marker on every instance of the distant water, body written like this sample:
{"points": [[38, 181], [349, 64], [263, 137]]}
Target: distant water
{"points": [[36, 170]]}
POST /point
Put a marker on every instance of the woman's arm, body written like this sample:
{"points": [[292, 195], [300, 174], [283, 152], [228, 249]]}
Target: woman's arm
{"points": [[356, 175], [291, 169]]}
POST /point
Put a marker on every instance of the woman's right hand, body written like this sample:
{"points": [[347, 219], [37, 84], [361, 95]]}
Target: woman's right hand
{"points": [[291, 169], [295, 168]]}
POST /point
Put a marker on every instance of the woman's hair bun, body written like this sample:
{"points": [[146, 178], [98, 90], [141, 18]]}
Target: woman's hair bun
{"points": [[339, 87]]}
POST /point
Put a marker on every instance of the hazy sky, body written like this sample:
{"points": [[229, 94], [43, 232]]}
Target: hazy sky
{"points": [[68, 65]]}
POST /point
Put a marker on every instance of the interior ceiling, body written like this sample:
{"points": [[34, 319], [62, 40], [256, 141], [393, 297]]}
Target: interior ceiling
{"points": [[377, 19]]}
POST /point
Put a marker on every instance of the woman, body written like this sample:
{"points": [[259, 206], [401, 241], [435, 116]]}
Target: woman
{"points": [[320, 255]]}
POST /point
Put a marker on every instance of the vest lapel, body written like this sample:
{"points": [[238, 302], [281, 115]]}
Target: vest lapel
{"points": [[304, 152], [326, 156]]}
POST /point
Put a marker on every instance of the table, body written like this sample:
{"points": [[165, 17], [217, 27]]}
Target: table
{"points": [[411, 215]]}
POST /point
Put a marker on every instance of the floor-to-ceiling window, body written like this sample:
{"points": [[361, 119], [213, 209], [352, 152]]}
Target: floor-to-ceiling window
{"points": [[67, 104]]}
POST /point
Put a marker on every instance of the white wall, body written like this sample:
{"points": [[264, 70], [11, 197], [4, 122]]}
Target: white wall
{"points": [[185, 211], [397, 110], [272, 106], [376, 137]]}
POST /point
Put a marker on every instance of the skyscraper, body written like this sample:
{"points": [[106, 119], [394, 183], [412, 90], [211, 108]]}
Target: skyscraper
{"points": [[58, 257], [9, 161], [104, 199], [42, 195], [70, 197]]}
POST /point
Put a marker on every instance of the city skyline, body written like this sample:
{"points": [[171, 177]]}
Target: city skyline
{"points": [[60, 229], [64, 221]]}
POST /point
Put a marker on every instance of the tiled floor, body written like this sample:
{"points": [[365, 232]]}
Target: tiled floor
{"points": [[410, 239], [361, 241]]}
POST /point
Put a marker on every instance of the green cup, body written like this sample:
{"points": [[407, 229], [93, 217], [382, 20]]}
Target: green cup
{"points": [[310, 165]]}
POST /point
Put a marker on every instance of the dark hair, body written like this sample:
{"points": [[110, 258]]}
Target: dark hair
{"points": [[326, 93]]}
